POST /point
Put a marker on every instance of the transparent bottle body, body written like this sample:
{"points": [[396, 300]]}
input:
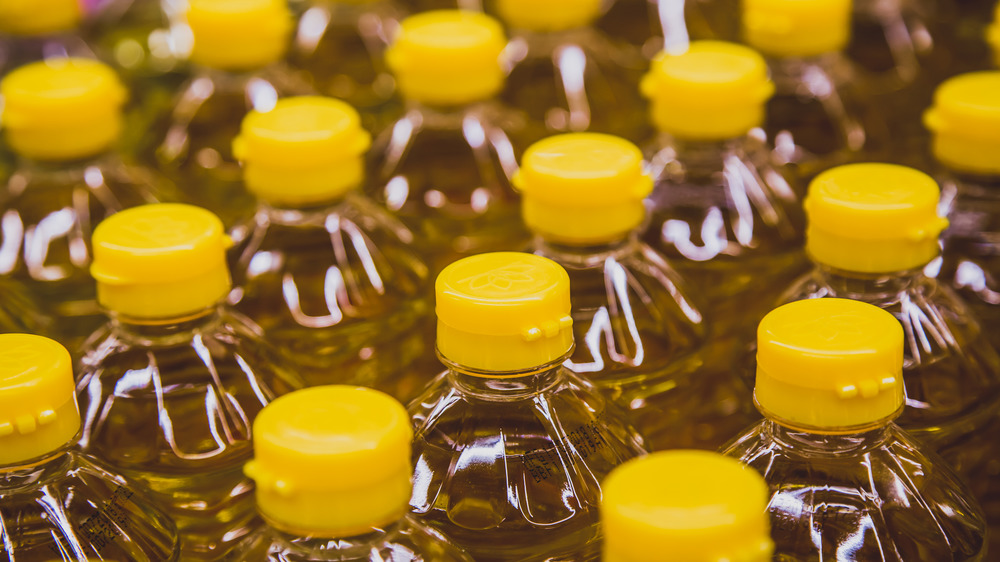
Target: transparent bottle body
{"points": [[339, 290], [405, 540], [510, 468], [445, 173], [341, 44], [951, 370], [866, 495], [172, 406], [643, 340], [192, 143], [49, 211], [64, 507], [572, 81], [730, 223]]}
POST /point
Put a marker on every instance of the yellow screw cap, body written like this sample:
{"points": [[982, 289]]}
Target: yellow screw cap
{"points": [[161, 261], [829, 365], [332, 461], [38, 411], [873, 218], [448, 57], [699, 506], [503, 311], [965, 123], [582, 188], [30, 17], [238, 34], [796, 28], [548, 15], [306, 150], [714, 91], [62, 109]]}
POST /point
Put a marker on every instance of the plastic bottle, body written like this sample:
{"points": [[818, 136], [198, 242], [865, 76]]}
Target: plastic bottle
{"points": [[444, 168], [698, 506], [845, 481], [29, 32], [510, 447], [722, 209], [327, 273], [55, 503], [993, 36], [62, 119], [332, 466], [873, 228], [341, 44], [170, 387], [566, 75], [965, 138], [819, 116], [236, 53], [642, 338]]}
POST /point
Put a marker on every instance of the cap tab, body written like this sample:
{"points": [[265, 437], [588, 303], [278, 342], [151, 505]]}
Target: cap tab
{"points": [[965, 123], [448, 57], [332, 461], [160, 261], [796, 28], [238, 34], [873, 218], [699, 506], [714, 91], [829, 365], [503, 311], [38, 408], [306, 150]]}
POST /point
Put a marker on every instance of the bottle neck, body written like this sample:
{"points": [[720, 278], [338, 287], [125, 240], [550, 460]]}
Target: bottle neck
{"points": [[442, 116], [35, 471], [166, 331], [695, 157], [580, 257], [356, 547], [815, 443], [76, 166], [505, 386], [309, 214], [872, 288], [817, 74]]}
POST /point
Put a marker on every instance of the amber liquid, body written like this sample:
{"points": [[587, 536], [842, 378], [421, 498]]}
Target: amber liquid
{"points": [[871, 495], [510, 468], [172, 407]]}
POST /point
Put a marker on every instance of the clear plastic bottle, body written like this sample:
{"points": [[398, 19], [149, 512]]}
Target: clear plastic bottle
{"points": [[332, 467], [30, 33], [55, 503], [341, 44], [62, 118], [566, 75], [327, 273], [846, 482], [699, 506], [721, 209], [237, 51], [510, 446], [641, 337], [873, 229], [170, 387], [444, 168], [965, 139], [820, 115]]}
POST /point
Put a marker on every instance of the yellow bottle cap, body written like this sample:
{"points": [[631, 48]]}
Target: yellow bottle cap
{"points": [[829, 365], [503, 311], [714, 91], [306, 150], [62, 109], [160, 261], [448, 57], [796, 28], [965, 123], [873, 218], [548, 15], [31, 17], [582, 188], [38, 411], [332, 461], [238, 34], [699, 506]]}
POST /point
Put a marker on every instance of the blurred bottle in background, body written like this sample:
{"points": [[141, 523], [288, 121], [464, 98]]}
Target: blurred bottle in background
{"points": [[510, 446], [170, 386], [845, 481]]}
